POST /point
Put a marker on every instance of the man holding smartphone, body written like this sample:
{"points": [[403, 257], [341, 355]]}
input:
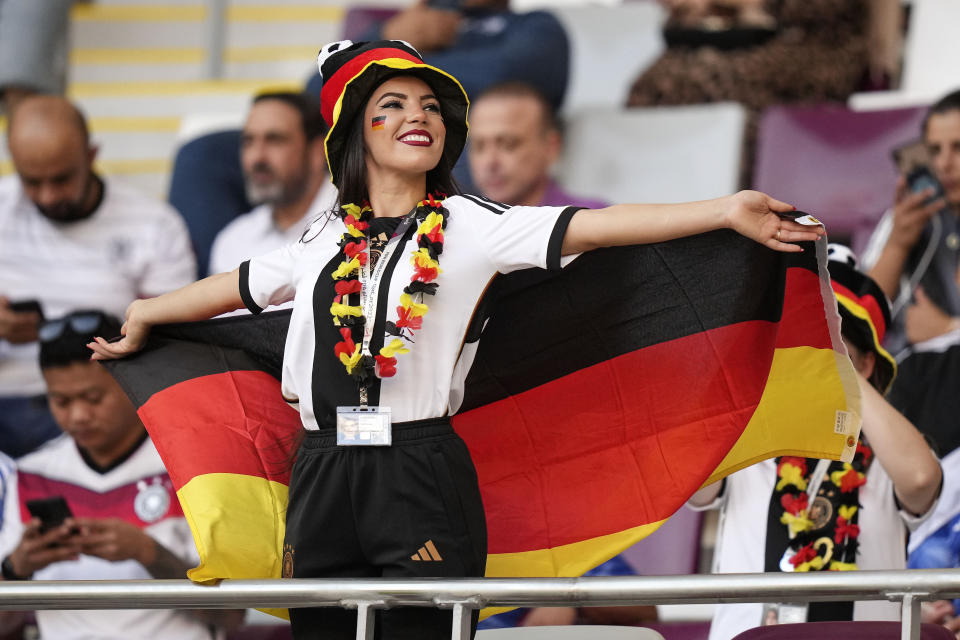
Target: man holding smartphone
{"points": [[915, 251], [97, 503]]}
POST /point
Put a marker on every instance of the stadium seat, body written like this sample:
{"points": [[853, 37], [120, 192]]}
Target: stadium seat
{"points": [[833, 162], [609, 47], [261, 632], [658, 154], [673, 549], [358, 20], [862, 630], [577, 632], [207, 188]]}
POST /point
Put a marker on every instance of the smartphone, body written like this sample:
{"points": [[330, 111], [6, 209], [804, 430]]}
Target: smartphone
{"points": [[51, 511], [21, 306], [921, 179]]}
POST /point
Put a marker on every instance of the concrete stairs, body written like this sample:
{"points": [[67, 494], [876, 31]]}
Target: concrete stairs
{"points": [[139, 70]]}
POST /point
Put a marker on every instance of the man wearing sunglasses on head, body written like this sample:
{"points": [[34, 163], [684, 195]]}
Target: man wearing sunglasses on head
{"points": [[123, 520]]}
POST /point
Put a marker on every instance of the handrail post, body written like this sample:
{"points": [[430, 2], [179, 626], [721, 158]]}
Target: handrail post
{"points": [[462, 614], [365, 620], [910, 617]]}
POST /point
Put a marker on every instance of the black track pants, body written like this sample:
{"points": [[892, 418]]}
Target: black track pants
{"points": [[410, 510]]}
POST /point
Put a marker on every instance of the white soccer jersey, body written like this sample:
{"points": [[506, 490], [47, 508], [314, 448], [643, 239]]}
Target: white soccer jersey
{"points": [[741, 540], [254, 233], [131, 247], [137, 490], [482, 238], [9, 530]]}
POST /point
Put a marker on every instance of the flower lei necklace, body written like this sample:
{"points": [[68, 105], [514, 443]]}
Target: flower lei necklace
{"points": [[412, 308], [825, 532]]}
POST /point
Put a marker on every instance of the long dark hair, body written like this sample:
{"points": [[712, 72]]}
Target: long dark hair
{"points": [[353, 167]]}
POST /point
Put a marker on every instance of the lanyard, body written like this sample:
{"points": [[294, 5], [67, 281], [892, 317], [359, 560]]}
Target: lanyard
{"points": [[370, 282]]}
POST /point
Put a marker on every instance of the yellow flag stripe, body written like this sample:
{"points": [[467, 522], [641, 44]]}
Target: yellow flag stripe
{"points": [[807, 378]]}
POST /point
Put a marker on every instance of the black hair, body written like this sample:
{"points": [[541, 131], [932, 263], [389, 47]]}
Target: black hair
{"points": [[311, 118], [949, 102], [69, 345], [352, 176]]}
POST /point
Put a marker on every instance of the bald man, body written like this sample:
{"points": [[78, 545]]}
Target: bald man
{"points": [[69, 238]]}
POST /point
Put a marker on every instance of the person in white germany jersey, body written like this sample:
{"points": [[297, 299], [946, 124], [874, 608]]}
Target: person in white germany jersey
{"points": [[69, 239], [285, 176], [362, 280], [126, 521]]}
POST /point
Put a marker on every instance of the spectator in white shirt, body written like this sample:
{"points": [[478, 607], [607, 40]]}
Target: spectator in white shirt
{"points": [[285, 175], [69, 238]]}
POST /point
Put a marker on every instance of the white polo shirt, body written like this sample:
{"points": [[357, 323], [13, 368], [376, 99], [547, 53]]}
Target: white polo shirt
{"points": [[254, 233], [132, 246], [482, 238]]}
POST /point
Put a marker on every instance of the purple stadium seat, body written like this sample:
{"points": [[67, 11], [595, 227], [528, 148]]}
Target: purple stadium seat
{"points": [[359, 19], [833, 162], [681, 630], [841, 631], [673, 549], [261, 632]]}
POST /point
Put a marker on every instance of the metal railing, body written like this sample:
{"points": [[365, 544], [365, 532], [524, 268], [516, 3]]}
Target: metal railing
{"points": [[466, 595]]}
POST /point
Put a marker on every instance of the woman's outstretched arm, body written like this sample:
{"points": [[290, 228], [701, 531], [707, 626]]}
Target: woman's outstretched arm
{"points": [[199, 300], [750, 213]]}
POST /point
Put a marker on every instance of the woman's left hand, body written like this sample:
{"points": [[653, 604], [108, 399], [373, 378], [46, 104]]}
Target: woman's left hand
{"points": [[758, 216]]}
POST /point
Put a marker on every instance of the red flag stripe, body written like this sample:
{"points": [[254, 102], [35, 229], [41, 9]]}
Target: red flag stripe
{"points": [[802, 301], [192, 416], [691, 442]]}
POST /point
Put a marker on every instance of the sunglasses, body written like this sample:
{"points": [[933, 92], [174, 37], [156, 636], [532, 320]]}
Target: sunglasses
{"points": [[82, 323]]}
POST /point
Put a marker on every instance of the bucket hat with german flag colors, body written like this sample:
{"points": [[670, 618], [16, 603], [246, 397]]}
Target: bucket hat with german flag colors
{"points": [[863, 310], [352, 70]]}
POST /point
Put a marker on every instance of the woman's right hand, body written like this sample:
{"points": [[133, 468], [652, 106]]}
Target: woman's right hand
{"points": [[134, 334]]}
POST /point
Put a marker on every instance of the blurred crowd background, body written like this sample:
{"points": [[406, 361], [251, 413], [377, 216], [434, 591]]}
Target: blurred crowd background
{"points": [[198, 132]]}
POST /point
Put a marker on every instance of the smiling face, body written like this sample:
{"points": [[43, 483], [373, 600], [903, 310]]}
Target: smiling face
{"points": [[403, 131]]}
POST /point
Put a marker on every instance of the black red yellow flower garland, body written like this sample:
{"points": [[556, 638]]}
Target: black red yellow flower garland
{"points": [[412, 308], [814, 548]]}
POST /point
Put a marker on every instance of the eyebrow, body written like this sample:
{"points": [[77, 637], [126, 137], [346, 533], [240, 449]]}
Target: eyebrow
{"points": [[403, 96]]}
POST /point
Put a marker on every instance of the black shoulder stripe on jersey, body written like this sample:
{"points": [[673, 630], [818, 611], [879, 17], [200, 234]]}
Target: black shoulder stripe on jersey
{"points": [[555, 244], [486, 205], [495, 203], [245, 295]]}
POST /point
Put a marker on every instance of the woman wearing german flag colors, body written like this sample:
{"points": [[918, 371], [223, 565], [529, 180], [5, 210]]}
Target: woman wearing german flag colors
{"points": [[384, 291]]}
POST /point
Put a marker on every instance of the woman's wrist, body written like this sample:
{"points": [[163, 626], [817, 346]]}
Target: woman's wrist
{"points": [[138, 314]]}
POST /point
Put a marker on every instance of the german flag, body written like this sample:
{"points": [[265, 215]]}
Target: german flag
{"points": [[601, 397]]}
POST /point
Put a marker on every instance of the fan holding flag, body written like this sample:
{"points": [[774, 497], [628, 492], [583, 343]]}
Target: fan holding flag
{"points": [[390, 297]]}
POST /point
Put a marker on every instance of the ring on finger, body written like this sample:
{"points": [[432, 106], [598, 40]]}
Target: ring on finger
{"points": [[778, 235]]}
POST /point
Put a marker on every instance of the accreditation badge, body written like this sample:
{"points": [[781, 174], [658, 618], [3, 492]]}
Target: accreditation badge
{"points": [[364, 426]]}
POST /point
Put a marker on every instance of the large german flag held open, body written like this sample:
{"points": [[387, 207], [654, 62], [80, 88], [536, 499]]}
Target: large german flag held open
{"points": [[600, 399]]}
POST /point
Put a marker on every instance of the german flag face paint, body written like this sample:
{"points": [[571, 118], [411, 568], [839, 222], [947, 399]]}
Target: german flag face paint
{"points": [[377, 122]]}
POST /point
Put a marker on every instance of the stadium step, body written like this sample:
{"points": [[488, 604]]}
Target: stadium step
{"points": [[138, 67]]}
